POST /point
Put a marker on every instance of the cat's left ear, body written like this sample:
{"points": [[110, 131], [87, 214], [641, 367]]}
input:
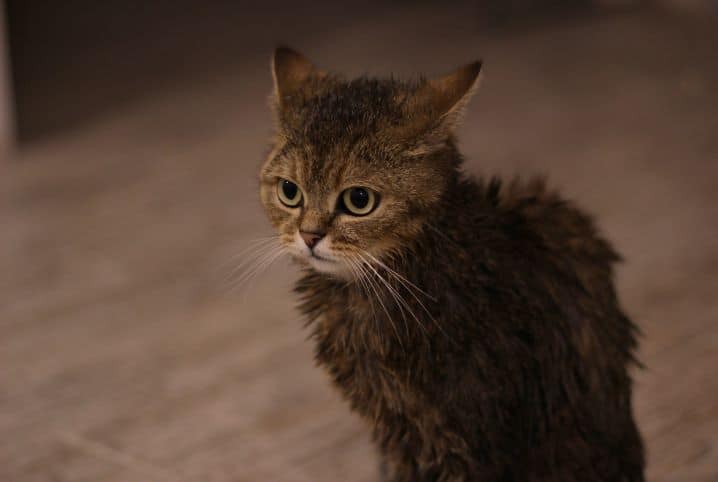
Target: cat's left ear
{"points": [[449, 95], [436, 108]]}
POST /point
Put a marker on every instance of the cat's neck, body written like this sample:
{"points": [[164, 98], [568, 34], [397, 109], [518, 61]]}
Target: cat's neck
{"points": [[396, 303]]}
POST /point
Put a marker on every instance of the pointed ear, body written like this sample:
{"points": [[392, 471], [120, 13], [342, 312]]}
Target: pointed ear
{"points": [[435, 109], [454, 91], [445, 98], [290, 70]]}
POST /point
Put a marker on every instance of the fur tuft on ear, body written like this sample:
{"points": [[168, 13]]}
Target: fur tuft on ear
{"points": [[290, 71]]}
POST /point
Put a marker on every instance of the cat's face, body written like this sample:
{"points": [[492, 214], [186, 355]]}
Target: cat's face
{"points": [[356, 166], [333, 208]]}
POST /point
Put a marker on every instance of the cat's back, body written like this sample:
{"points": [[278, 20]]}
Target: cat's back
{"points": [[519, 242], [528, 222]]}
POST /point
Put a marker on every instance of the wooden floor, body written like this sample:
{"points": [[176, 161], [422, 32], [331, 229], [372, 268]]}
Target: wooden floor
{"points": [[126, 355]]}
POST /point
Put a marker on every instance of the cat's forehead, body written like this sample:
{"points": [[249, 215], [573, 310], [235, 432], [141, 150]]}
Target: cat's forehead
{"points": [[342, 115], [342, 132]]}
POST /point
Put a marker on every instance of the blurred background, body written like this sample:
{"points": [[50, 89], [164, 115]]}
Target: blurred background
{"points": [[131, 133]]}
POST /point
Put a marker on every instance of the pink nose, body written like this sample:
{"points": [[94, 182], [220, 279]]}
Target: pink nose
{"points": [[310, 239]]}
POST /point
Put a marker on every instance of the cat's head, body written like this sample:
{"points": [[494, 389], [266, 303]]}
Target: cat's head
{"points": [[357, 166]]}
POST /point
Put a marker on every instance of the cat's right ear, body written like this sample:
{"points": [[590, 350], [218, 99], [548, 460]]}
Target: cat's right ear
{"points": [[291, 71]]}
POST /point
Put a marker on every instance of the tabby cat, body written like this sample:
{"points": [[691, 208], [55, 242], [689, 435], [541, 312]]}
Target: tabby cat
{"points": [[473, 323]]}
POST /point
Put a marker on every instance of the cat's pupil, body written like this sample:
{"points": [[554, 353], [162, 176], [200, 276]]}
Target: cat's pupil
{"points": [[289, 189], [359, 197]]}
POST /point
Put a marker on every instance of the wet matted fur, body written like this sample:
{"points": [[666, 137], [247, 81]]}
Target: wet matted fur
{"points": [[473, 323]]}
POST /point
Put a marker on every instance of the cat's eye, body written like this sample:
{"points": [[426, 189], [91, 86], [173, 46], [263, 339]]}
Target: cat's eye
{"points": [[289, 193], [359, 201]]}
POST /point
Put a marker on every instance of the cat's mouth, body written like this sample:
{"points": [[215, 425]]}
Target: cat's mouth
{"points": [[320, 256]]}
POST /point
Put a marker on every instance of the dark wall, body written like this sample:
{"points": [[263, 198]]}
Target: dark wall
{"points": [[75, 60]]}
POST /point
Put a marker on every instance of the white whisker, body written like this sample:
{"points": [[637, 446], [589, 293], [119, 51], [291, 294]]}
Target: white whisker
{"points": [[381, 302], [409, 285], [397, 297], [262, 257], [262, 263], [249, 254], [361, 275], [399, 277]]}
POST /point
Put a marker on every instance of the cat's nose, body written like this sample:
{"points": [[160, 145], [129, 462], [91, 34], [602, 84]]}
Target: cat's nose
{"points": [[310, 239]]}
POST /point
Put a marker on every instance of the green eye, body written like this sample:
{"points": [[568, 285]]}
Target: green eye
{"points": [[289, 193], [359, 201]]}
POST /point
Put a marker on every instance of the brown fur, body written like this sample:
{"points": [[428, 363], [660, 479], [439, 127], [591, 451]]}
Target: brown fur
{"points": [[507, 358]]}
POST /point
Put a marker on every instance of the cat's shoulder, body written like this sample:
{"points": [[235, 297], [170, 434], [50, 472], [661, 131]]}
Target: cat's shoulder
{"points": [[531, 197], [542, 212]]}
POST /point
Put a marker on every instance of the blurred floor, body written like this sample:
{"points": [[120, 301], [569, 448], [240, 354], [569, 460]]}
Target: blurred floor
{"points": [[125, 355]]}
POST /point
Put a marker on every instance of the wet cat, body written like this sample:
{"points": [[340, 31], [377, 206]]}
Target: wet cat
{"points": [[473, 323]]}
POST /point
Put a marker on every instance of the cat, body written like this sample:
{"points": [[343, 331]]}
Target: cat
{"points": [[473, 323]]}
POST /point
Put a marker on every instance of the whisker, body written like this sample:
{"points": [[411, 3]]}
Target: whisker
{"points": [[399, 277], [397, 297], [260, 269], [361, 275], [400, 302], [381, 302], [269, 258], [403, 280], [259, 264], [249, 253], [254, 243], [252, 256], [401, 310], [405, 283]]}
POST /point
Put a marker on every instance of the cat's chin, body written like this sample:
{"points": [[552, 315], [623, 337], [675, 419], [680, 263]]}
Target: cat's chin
{"points": [[333, 268]]}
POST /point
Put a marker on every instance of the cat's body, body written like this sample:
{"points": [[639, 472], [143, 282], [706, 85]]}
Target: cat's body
{"points": [[518, 373], [475, 325]]}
